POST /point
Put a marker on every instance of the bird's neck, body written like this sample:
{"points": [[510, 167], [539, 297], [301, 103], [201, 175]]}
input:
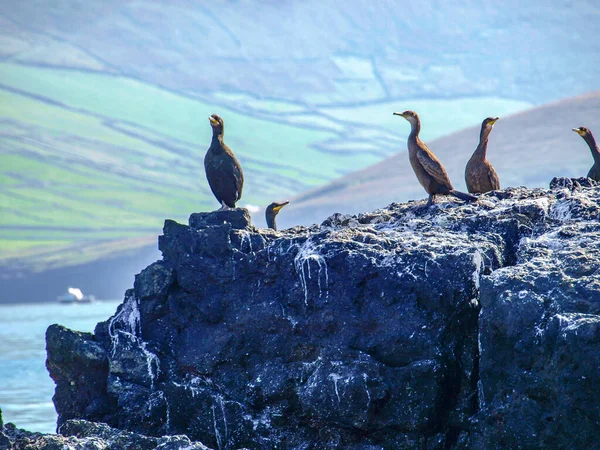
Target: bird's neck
{"points": [[481, 150], [593, 146], [415, 129], [217, 136], [271, 222], [414, 136]]}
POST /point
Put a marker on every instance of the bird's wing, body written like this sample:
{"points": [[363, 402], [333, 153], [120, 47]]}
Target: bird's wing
{"points": [[216, 180], [222, 176], [433, 167], [238, 179], [494, 180]]}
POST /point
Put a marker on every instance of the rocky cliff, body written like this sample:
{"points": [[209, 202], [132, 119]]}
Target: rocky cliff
{"points": [[459, 326]]}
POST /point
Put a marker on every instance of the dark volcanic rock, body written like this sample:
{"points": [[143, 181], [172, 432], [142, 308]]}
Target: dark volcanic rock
{"points": [[459, 326], [5, 443], [79, 367], [83, 435], [540, 335], [238, 218]]}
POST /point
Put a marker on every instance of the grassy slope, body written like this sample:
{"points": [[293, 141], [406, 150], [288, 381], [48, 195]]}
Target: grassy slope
{"points": [[87, 159], [319, 53]]}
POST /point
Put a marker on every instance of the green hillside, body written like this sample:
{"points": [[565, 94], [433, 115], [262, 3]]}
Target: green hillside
{"points": [[95, 157], [89, 159], [104, 109]]}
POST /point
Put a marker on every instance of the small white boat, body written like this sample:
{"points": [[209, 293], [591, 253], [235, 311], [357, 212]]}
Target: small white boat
{"points": [[74, 295]]}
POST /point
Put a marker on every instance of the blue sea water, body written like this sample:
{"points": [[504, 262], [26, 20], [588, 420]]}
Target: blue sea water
{"points": [[26, 389]]}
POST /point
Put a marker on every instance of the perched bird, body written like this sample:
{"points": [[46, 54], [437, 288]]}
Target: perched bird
{"points": [[479, 173], [588, 137], [429, 170], [223, 170], [272, 211]]}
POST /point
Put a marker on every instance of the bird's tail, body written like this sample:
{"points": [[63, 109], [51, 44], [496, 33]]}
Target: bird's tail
{"points": [[463, 196]]}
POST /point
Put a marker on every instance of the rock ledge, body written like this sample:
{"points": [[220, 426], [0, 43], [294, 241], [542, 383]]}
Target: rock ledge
{"points": [[460, 326]]}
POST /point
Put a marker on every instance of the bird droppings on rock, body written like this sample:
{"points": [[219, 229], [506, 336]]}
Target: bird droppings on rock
{"points": [[462, 326]]}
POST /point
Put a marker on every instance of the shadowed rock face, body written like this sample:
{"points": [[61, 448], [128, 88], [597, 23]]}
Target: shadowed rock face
{"points": [[458, 326]]}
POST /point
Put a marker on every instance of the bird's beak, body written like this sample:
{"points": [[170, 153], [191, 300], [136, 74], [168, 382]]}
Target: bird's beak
{"points": [[579, 131], [494, 120], [281, 205], [399, 114], [213, 121]]}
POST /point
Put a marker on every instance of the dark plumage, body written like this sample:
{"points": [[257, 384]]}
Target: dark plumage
{"points": [[223, 170], [480, 176], [272, 211], [428, 169], [588, 137]]}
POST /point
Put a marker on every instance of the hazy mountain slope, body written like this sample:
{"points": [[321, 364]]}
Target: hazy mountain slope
{"points": [[103, 104], [320, 51], [528, 149]]}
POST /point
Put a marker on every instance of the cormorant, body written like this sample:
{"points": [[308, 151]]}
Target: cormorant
{"points": [[480, 176], [223, 170], [429, 170], [272, 211], [588, 137]]}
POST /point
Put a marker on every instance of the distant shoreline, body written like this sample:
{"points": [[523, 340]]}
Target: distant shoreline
{"points": [[105, 279]]}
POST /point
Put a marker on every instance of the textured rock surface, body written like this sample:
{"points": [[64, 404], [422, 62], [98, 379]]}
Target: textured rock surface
{"points": [[540, 332], [461, 326], [83, 435]]}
